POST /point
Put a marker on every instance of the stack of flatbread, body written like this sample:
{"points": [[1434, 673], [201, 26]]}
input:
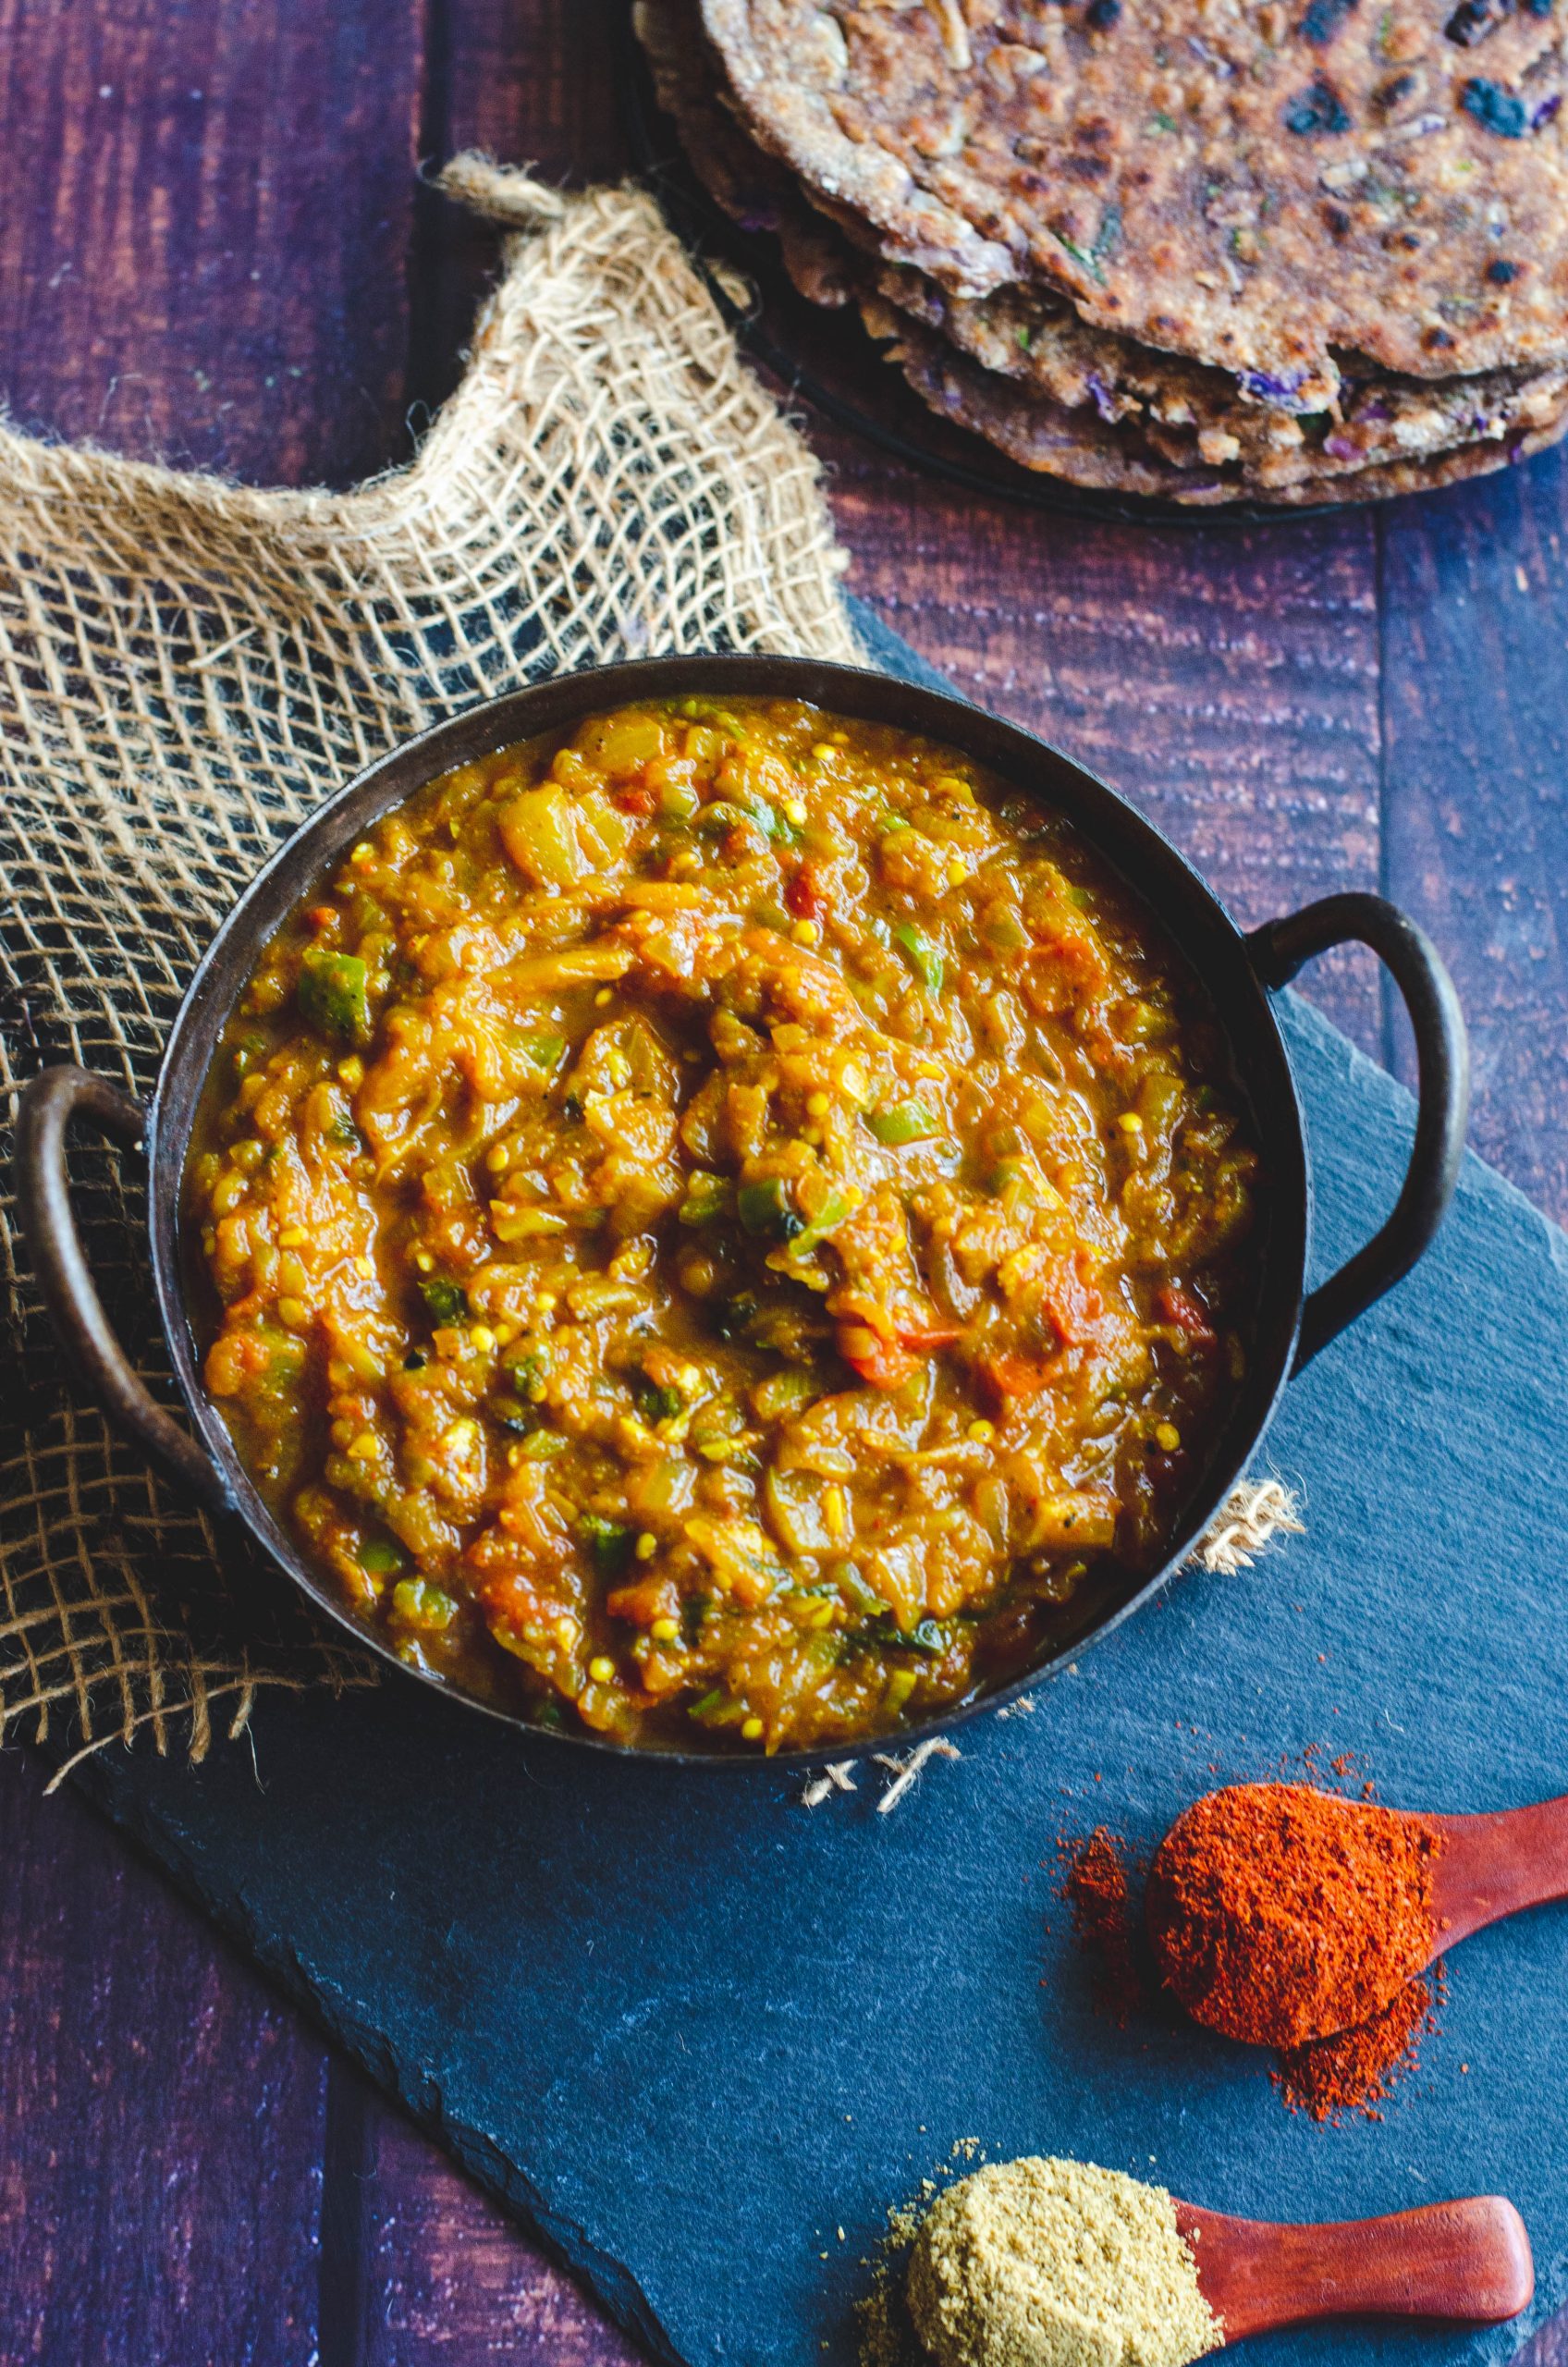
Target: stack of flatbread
{"points": [[1274, 250]]}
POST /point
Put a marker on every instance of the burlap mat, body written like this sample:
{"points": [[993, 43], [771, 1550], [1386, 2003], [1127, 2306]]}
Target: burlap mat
{"points": [[186, 667]]}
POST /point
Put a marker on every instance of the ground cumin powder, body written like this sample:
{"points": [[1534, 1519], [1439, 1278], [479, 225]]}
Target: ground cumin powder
{"points": [[1055, 2264]]}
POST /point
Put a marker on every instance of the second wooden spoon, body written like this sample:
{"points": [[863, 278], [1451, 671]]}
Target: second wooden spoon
{"points": [[1468, 2261]]}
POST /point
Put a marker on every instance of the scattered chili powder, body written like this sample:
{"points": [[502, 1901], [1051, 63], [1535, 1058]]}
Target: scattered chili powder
{"points": [[1353, 2073], [1096, 1888], [1279, 1913]]}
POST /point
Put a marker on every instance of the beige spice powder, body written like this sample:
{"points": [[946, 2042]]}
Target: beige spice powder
{"points": [[1055, 2264]]}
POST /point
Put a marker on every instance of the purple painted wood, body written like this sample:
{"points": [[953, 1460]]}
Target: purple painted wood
{"points": [[162, 2116], [206, 227], [1475, 630], [449, 2279], [213, 249]]}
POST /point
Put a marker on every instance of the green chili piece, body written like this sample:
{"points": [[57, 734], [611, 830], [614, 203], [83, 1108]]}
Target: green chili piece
{"points": [[248, 1050], [725, 815], [900, 1685], [785, 1393], [906, 1121], [381, 1557], [1003, 931], [924, 958], [864, 1598], [609, 1542], [541, 1444], [679, 801], [544, 1053], [767, 1209], [708, 1197], [418, 1604], [447, 1301], [718, 1708], [834, 1209], [333, 997], [286, 1359]]}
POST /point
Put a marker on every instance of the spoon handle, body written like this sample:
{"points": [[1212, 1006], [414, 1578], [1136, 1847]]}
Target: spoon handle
{"points": [[1464, 2260], [1495, 1865]]}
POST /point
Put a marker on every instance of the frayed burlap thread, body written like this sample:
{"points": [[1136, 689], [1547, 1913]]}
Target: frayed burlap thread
{"points": [[187, 667]]}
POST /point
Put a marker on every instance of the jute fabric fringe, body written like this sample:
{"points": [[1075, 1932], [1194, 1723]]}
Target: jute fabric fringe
{"points": [[187, 667]]}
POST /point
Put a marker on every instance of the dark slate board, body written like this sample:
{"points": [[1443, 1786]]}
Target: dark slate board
{"points": [[689, 2030]]}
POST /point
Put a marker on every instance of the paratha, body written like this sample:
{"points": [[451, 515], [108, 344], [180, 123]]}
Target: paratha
{"points": [[753, 187], [1084, 450], [1177, 414], [1257, 184], [1194, 416], [1377, 418]]}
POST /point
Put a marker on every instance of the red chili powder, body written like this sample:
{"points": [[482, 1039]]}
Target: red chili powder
{"points": [[1355, 2071], [1278, 1911], [1327, 2079], [1096, 1888]]}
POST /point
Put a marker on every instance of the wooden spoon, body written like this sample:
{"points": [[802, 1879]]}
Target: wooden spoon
{"points": [[1495, 1865], [1468, 2261]]}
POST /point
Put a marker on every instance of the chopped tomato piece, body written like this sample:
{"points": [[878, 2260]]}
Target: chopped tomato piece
{"points": [[1073, 1305], [803, 895], [1018, 1376], [880, 1362], [1181, 1309], [644, 1601]]}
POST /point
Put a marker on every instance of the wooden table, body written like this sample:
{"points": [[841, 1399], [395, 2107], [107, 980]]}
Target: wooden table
{"points": [[213, 248]]}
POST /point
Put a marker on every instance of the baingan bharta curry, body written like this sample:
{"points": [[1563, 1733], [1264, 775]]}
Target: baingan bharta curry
{"points": [[722, 1219]]}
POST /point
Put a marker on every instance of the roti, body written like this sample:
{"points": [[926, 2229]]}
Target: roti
{"points": [[1295, 179], [1228, 440]]}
